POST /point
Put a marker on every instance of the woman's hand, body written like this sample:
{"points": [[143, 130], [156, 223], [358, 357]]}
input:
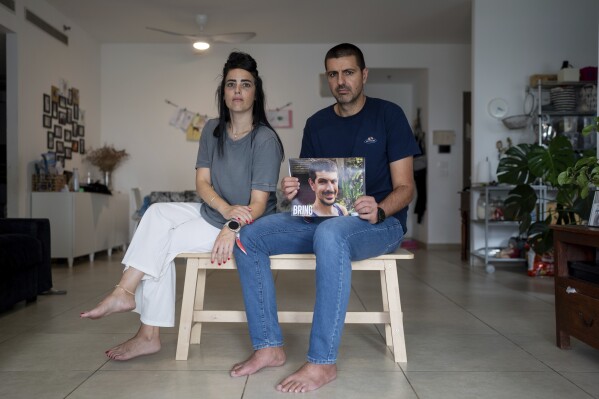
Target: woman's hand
{"points": [[223, 246], [243, 214]]}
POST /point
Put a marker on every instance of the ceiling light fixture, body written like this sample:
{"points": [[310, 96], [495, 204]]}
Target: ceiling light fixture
{"points": [[201, 45]]}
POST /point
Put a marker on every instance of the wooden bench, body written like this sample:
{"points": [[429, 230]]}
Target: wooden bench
{"points": [[193, 313]]}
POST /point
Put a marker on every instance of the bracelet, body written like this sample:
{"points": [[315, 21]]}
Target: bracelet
{"points": [[210, 203]]}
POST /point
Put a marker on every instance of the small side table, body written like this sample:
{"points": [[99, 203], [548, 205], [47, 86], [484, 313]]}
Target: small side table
{"points": [[576, 300]]}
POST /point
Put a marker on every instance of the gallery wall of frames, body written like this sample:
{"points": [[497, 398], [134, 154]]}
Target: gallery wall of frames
{"points": [[64, 122]]}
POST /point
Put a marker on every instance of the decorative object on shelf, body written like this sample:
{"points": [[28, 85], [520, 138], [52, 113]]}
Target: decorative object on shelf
{"points": [[107, 159]]}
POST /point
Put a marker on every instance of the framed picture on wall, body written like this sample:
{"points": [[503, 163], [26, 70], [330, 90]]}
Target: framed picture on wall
{"points": [[50, 137], [47, 121], [81, 146], [60, 158], [62, 118], [75, 146], [54, 110], [67, 135], [69, 115], [75, 112], [62, 102], [280, 118], [54, 92], [58, 131], [47, 104], [59, 147], [68, 153], [81, 131]]}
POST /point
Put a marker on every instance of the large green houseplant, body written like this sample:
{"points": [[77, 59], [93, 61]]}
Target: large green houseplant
{"points": [[558, 166]]}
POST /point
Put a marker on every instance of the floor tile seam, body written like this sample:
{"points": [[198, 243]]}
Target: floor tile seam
{"points": [[550, 371], [499, 333]]}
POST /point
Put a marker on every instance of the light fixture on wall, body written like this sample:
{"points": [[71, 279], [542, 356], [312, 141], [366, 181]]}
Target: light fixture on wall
{"points": [[202, 41]]}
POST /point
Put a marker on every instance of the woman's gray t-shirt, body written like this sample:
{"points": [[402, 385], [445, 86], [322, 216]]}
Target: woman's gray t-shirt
{"points": [[251, 163]]}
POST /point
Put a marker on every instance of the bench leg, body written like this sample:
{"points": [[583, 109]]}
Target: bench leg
{"points": [[186, 320], [196, 328], [395, 313], [388, 338]]}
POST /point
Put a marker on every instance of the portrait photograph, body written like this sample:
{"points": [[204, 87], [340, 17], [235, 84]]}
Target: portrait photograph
{"points": [[55, 110], [47, 104], [81, 146], [81, 131], [59, 147], [47, 121], [62, 102], [75, 146], [62, 117], [68, 153], [50, 144], [58, 131], [67, 135]]}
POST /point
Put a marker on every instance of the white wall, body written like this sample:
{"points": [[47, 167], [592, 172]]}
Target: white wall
{"points": [[35, 62], [514, 39], [136, 80]]}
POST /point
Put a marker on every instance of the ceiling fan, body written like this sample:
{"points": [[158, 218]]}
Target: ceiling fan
{"points": [[202, 41]]}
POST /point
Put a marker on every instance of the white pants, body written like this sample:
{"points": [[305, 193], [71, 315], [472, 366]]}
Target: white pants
{"points": [[166, 230]]}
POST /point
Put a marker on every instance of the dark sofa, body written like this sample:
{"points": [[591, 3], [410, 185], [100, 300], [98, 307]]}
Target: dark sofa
{"points": [[25, 269]]}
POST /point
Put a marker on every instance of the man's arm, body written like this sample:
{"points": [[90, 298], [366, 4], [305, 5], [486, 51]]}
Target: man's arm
{"points": [[402, 178]]}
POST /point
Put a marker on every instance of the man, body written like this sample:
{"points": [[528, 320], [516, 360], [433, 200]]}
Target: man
{"points": [[355, 126], [323, 177]]}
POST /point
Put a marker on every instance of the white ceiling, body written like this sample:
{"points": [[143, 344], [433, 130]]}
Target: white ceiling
{"points": [[274, 21]]}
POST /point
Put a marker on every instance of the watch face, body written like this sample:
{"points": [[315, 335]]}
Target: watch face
{"points": [[234, 225], [380, 215]]}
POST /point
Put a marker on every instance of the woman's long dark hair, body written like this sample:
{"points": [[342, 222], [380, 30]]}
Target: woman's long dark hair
{"points": [[239, 60]]}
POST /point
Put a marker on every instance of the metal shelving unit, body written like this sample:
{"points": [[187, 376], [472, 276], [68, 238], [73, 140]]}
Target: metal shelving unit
{"points": [[497, 232], [550, 114]]}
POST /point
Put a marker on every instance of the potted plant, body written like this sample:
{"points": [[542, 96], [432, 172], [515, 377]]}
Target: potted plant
{"points": [[558, 166], [106, 158]]}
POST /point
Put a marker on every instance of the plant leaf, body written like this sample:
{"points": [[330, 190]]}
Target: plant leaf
{"points": [[513, 167]]}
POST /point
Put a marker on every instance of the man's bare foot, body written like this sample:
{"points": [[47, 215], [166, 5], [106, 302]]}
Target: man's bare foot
{"points": [[145, 342], [308, 378], [118, 301], [267, 357]]}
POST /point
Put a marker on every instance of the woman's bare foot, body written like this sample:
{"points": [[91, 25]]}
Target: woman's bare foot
{"points": [[118, 301], [308, 378], [145, 342], [267, 357]]}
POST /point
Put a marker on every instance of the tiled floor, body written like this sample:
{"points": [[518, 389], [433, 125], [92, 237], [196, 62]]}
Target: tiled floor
{"points": [[468, 335]]}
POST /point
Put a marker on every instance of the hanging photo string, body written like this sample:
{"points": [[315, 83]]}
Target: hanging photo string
{"points": [[189, 122]]}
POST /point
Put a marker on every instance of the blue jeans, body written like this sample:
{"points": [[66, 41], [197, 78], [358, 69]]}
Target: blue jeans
{"points": [[336, 241]]}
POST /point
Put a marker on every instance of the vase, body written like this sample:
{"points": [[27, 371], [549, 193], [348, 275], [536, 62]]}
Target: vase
{"points": [[108, 179]]}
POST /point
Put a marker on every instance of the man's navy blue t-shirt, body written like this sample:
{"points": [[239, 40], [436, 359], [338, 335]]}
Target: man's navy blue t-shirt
{"points": [[380, 133]]}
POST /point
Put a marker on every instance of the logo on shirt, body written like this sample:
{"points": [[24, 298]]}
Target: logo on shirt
{"points": [[370, 140]]}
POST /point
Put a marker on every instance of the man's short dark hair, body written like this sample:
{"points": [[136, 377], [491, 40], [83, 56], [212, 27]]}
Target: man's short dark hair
{"points": [[346, 50], [321, 165]]}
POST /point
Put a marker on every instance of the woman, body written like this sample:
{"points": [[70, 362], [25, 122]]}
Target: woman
{"points": [[237, 171]]}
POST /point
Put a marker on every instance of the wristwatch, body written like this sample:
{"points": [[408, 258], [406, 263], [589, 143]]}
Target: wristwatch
{"points": [[233, 225], [380, 215]]}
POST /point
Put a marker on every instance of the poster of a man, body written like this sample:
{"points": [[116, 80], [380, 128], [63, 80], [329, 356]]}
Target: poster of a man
{"points": [[328, 186]]}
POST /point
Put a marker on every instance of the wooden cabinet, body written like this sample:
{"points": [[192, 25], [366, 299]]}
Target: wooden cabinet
{"points": [[83, 223], [576, 300]]}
